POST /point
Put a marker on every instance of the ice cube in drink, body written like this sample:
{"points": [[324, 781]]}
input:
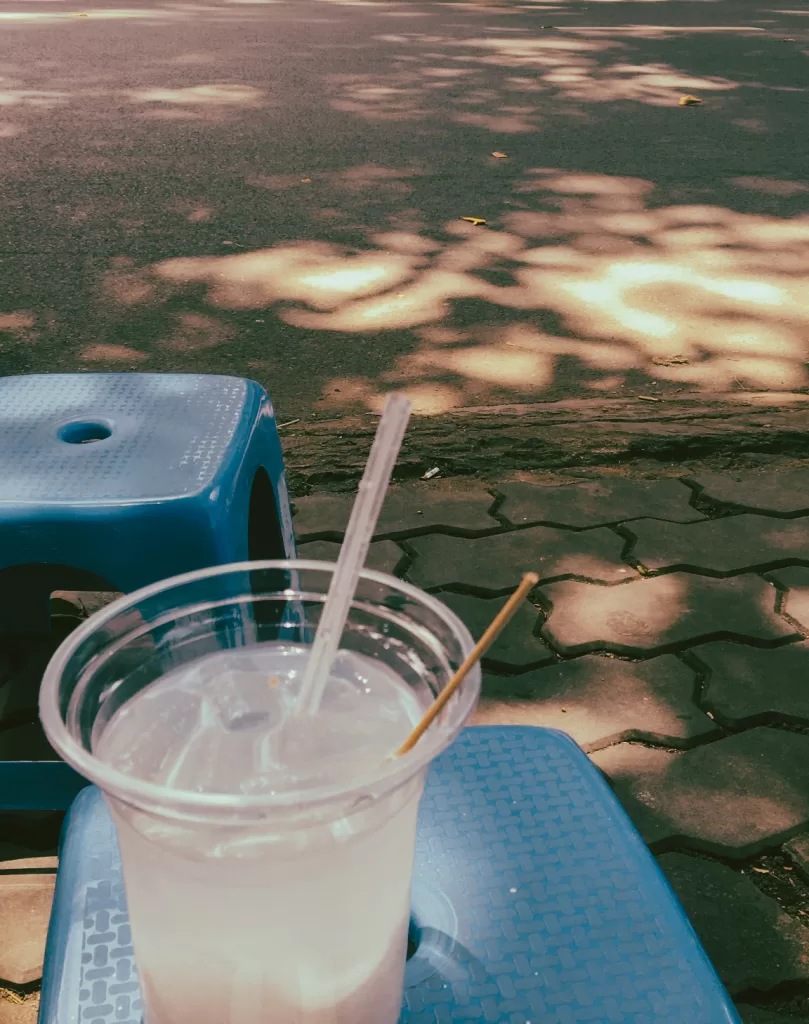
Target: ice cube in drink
{"points": [[299, 917]]}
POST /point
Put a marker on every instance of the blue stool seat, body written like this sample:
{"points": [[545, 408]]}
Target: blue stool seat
{"points": [[115, 480], [534, 902]]}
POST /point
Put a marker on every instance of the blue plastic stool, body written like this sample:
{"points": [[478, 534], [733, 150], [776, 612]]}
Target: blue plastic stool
{"points": [[534, 900], [115, 480]]}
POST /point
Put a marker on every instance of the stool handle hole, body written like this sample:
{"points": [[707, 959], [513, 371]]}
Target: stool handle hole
{"points": [[84, 432]]}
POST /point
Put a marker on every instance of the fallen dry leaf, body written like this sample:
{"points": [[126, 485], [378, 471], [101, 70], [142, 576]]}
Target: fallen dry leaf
{"points": [[689, 101], [474, 220], [306, 180], [670, 361], [499, 156], [761, 871]]}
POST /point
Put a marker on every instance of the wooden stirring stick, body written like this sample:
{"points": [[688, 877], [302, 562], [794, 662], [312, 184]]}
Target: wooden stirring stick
{"points": [[529, 580]]}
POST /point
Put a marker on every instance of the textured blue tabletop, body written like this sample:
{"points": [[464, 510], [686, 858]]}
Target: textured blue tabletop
{"points": [[534, 902]]}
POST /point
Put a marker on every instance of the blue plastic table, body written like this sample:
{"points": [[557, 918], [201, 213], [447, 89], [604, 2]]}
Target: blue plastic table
{"points": [[534, 902]]}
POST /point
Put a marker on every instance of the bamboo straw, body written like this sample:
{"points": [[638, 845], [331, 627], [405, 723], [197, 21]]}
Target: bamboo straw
{"points": [[529, 580]]}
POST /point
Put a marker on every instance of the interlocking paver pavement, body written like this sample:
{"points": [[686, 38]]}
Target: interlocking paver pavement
{"points": [[746, 543], [25, 906], [734, 797], [24, 1012], [748, 685], [383, 555], [795, 603], [674, 610], [600, 701], [518, 647], [406, 509], [496, 563], [597, 502], [783, 493], [726, 909]]}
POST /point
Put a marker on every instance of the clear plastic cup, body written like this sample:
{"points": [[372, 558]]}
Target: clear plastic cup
{"points": [[290, 907]]}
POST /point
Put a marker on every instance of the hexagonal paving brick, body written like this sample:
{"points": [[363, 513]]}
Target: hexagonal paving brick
{"points": [[599, 701], [383, 555], [753, 943], [747, 684], [597, 502], [734, 797], [517, 647], [782, 493], [413, 509], [674, 610], [626, 762], [497, 563], [731, 545], [24, 1012], [795, 603], [25, 907], [321, 516]]}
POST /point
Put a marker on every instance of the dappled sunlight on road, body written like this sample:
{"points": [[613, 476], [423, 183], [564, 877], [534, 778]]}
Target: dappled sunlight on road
{"points": [[20, 329], [314, 273], [15, 323], [42, 98], [385, 181], [120, 356], [207, 99], [100, 14], [570, 65], [432, 72], [217, 95], [593, 276], [278, 189]]}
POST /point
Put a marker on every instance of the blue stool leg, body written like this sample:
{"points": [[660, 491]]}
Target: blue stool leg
{"points": [[256, 523]]}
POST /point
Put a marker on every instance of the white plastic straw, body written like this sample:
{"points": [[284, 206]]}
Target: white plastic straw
{"points": [[360, 530]]}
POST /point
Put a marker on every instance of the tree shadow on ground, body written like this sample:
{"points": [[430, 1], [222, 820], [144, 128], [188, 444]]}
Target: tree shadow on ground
{"points": [[277, 190]]}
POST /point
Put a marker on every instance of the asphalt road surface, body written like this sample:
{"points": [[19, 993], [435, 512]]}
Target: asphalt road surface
{"points": [[277, 189]]}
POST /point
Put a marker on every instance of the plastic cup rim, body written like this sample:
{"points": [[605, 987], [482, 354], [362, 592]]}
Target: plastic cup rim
{"points": [[154, 796]]}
